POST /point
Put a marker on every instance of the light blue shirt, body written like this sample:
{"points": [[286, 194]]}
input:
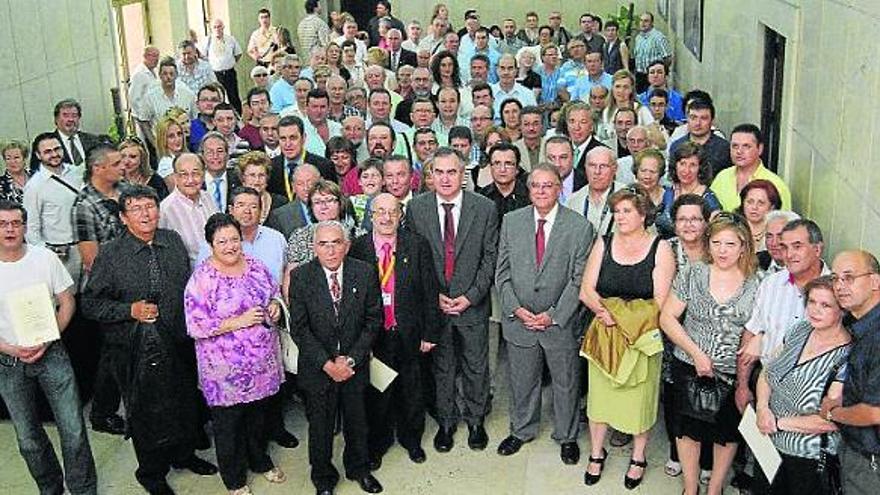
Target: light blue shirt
{"points": [[268, 246], [282, 95], [519, 92], [580, 90]]}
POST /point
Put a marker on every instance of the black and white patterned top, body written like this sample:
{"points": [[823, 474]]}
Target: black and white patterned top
{"points": [[797, 389], [715, 328], [9, 189]]}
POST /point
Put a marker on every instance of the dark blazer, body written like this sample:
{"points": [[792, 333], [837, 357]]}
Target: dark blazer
{"points": [[233, 180], [88, 141], [582, 163], [278, 175], [319, 333], [287, 218], [580, 178], [416, 307], [475, 249], [407, 57]]}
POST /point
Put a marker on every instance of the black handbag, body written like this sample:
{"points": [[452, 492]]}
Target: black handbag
{"points": [[704, 396]]}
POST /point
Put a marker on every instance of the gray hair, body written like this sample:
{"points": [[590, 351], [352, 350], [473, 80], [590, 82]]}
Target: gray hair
{"points": [[787, 215], [332, 224], [306, 167], [814, 233], [546, 167]]}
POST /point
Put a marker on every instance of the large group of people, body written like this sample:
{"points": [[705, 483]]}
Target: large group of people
{"points": [[387, 192]]}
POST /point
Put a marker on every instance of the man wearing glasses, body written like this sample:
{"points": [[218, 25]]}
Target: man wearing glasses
{"points": [[508, 187]]}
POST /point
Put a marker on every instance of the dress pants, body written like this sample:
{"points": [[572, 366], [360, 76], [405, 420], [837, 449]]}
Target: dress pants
{"points": [[462, 350], [18, 388], [153, 464], [526, 368], [321, 407], [240, 441], [400, 407], [229, 80], [860, 473]]}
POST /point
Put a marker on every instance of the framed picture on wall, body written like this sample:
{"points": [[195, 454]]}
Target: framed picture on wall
{"points": [[693, 27], [673, 8], [663, 9]]}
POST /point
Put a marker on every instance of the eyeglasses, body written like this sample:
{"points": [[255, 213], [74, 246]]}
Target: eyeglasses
{"points": [[599, 166], [847, 279], [15, 224], [140, 209], [689, 220], [503, 166], [383, 212], [324, 202]]}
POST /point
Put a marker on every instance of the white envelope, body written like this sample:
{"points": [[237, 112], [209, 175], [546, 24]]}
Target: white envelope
{"points": [[32, 314], [381, 375], [765, 452]]}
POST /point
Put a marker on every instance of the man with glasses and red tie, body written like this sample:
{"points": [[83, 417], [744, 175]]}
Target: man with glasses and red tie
{"points": [[462, 229], [538, 279], [412, 323]]}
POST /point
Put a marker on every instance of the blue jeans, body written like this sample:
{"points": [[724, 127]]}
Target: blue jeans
{"points": [[18, 387]]}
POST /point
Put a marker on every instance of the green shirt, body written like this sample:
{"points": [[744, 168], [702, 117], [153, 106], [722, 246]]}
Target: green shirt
{"points": [[724, 187]]}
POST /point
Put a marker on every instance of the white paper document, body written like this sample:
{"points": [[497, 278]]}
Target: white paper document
{"points": [[381, 375], [32, 314], [765, 452]]}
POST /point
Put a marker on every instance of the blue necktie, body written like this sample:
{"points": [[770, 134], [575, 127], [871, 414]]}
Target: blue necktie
{"points": [[218, 196]]}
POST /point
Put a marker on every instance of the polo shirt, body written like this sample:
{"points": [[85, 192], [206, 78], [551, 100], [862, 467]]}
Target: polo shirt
{"points": [[724, 187]]}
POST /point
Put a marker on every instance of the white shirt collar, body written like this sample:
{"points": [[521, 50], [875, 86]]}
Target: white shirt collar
{"points": [[338, 273], [455, 201]]}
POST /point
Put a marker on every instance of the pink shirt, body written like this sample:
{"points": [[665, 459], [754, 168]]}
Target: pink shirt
{"points": [[350, 184], [187, 218]]}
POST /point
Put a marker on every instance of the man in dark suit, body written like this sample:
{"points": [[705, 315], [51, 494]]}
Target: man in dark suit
{"points": [[559, 151], [397, 55], [541, 256], [412, 326], [75, 143], [462, 229], [579, 128], [295, 214], [220, 180], [334, 329], [291, 140]]}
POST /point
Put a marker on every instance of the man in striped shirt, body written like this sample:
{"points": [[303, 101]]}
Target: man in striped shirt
{"points": [[650, 45]]}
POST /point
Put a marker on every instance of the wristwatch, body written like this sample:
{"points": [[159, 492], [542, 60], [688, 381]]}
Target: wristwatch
{"points": [[350, 362]]}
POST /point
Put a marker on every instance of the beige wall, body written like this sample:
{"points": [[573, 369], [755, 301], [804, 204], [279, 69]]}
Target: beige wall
{"points": [[494, 11]]}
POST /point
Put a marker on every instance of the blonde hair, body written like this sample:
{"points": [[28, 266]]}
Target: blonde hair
{"points": [[748, 261], [254, 159], [143, 155], [162, 135]]}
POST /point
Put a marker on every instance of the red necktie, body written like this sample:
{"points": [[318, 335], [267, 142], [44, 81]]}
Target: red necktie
{"points": [[388, 285], [539, 242], [335, 291], [449, 242]]}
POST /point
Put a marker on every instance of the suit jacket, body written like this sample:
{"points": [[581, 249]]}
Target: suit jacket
{"points": [[416, 306], [553, 287], [580, 179], [319, 333], [88, 141], [278, 175], [475, 249], [407, 57], [233, 180], [287, 218], [593, 143]]}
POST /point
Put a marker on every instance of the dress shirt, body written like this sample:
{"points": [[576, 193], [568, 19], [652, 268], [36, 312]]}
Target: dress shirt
{"points": [[567, 188], [188, 218], [222, 52], [314, 143], [596, 214], [312, 31], [282, 95], [262, 41], [549, 221], [582, 86], [456, 212], [211, 183], [50, 205], [338, 272], [74, 139], [142, 79], [157, 102], [518, 92]]}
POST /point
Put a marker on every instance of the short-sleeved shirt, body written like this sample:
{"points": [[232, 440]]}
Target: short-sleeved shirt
{"points": [[724, 186], [95, 217], [268, 246], [797, 389], [862, 383], [221, 53], [715, 327], [38, 266], [649, 47]]}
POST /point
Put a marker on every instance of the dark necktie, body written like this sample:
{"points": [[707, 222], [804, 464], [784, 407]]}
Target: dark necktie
{"points": [[75, 155], [154, 276], [335, 291], [448, 241], [539, 242]]}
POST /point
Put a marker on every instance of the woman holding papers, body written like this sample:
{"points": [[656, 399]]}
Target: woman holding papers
{"points": [[810, 365], [718, 295], [230, 312]]}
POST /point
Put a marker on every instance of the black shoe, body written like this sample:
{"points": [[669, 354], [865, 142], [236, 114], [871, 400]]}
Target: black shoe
{"points": [[619, 439], [375, 462], [592, 479], [570, 453], [324, 492], [370, 484], [510, 446], [202, 441], [161, 489], [477, 437], [741, 481], [199, 466], [417, 455], [631, 483], [285, 439], [443, 440], [112, 424]]}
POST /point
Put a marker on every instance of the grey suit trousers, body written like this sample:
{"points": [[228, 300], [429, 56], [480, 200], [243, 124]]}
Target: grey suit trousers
{"points": [[463, 350], [526, 366]]}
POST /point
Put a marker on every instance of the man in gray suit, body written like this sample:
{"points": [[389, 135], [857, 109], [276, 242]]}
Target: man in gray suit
{"points": [[541, 256], [462, 229], [295, 214]]}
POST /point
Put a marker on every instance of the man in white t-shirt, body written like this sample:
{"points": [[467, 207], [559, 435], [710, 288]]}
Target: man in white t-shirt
{"points": [[28, 366]]}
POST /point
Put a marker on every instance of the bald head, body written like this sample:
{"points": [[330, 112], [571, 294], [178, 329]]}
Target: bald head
{"points": [[856, 281]]}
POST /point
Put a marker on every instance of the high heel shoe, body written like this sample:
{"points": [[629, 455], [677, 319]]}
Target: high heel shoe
{"points": [[631, 483], [592, 479]]}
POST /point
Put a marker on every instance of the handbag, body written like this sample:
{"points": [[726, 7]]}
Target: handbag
{"points": [[704, 396], [289, 350], [828, 466]]}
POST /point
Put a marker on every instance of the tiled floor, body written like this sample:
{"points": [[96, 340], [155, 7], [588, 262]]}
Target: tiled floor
{"points": [[536, 469]]}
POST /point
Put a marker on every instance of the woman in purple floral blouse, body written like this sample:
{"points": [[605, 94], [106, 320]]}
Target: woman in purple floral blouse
{"points": [[230, 313]]}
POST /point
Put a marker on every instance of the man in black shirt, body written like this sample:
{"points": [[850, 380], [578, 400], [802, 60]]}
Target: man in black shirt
{"points": [[508, 188]]}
